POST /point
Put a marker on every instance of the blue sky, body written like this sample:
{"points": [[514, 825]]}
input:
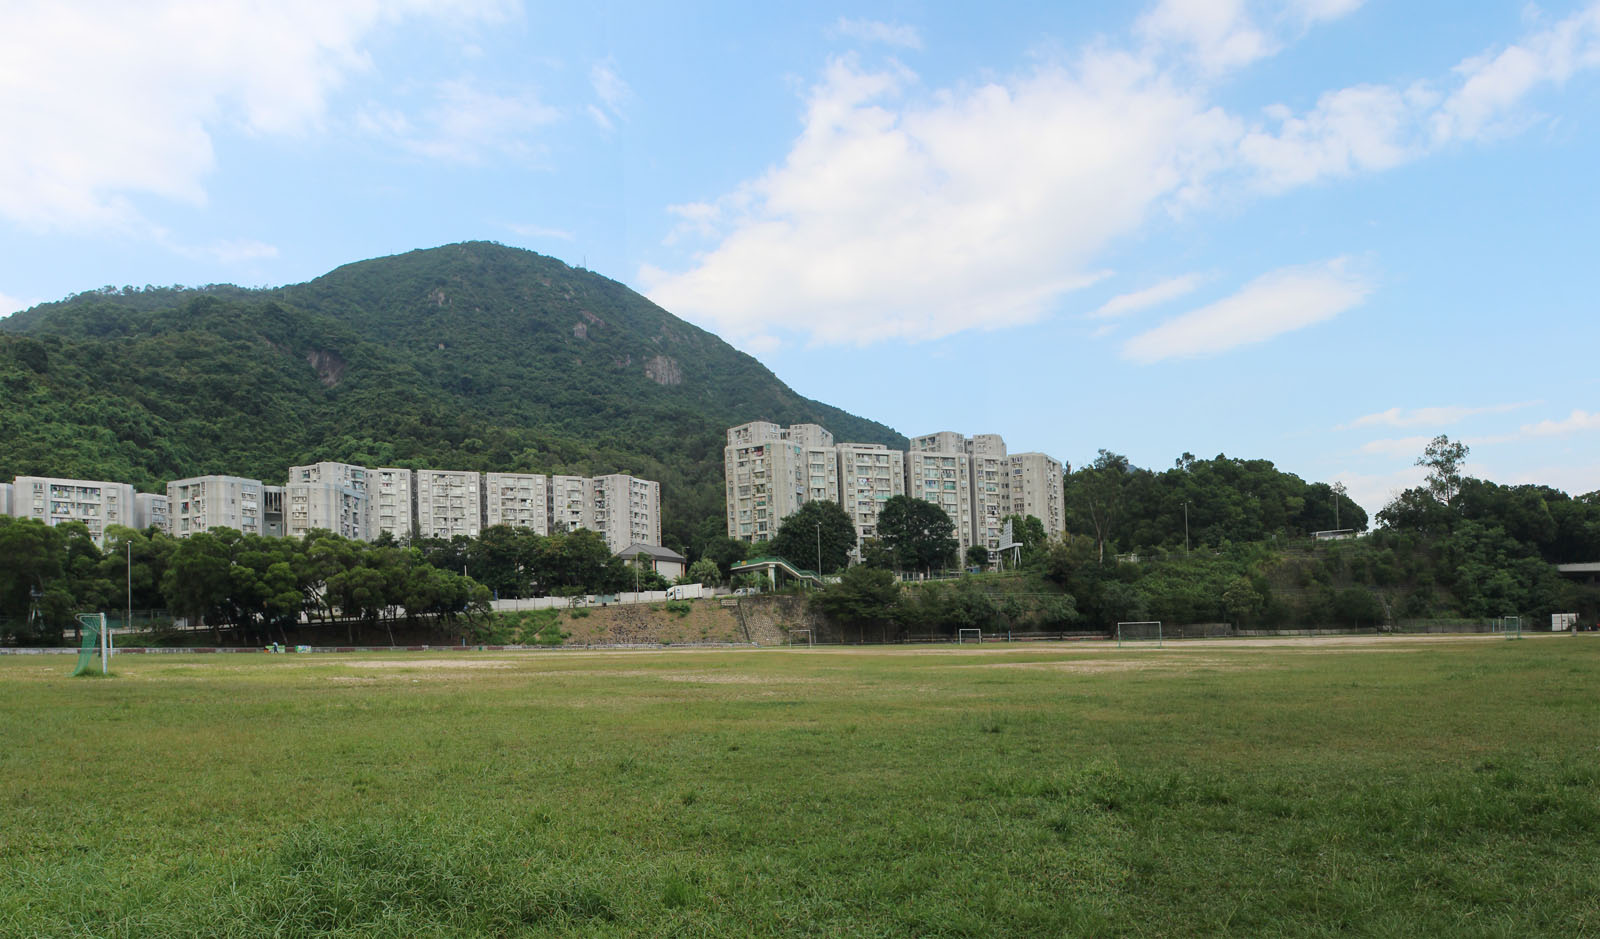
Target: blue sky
{"points": [[1316, 231]]}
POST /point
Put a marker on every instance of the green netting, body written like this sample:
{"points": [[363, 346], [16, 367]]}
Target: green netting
{"points": [[92, 624]]}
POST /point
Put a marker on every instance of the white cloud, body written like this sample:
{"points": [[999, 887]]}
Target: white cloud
{"points": [[613, 92], [465, 123], [157, 80], [237, 251], [909, 212], [971, 210], [1367, 128], [1277, 302], [1167, 290], [1434, 416], [1576, 422], [891, 34], [1493, 86]]}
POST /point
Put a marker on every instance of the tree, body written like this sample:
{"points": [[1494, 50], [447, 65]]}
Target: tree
{"points": [[1097, 491], [705, 571], [918, 533], [977, 556], [863, 595], [1443, 458], [819, 520]]}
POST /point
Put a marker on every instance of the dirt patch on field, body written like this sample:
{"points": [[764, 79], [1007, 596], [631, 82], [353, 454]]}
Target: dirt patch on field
{"points": [[428, 663]]}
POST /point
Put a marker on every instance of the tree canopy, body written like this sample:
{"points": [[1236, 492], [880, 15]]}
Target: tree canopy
{"points": [[818, 527]]}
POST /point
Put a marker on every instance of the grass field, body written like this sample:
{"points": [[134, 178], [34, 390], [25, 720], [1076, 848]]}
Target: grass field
{"points": [[1403, 787]]}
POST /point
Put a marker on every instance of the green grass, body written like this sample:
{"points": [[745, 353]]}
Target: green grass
{"points": [[1417, 787]]}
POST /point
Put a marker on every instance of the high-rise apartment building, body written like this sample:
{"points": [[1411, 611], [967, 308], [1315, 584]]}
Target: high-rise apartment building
{"points": [[393, 495], [1033, 483], [56, 501], [626, 510], [5, 498], [571, 503], [990, 502], [521, 500], [150, 510], [328, 495], [939, 470], [449, 503], [201, 503], [770, 471], [869, 475], [272, 511]]}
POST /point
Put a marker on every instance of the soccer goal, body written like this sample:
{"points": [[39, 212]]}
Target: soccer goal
{"points": [[96, 638], [799, 636], [1139, 632], [969, 635], [1511, 626]]}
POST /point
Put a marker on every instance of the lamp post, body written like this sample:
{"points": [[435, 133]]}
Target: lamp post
{"points": [[819, 552], [1186, 529], [128, 623], [1338, 494]]}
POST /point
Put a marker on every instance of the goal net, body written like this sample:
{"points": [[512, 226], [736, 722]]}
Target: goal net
{"points": [[1139, 632], [799, 637], [1511, 626], [969, 635]]}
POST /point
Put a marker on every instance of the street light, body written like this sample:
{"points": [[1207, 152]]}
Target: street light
{"points": [[819, 552]]}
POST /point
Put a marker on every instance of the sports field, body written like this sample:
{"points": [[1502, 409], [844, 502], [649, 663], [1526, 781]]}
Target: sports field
{"points": [[1392, 787]]}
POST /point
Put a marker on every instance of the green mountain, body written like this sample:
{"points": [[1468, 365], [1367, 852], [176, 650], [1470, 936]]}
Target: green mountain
{"points": [[470, 356]]}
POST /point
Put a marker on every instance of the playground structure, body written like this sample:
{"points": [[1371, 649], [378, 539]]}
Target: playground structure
{"points": [[95, 633]]}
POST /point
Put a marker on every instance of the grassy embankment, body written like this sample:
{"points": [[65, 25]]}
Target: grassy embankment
{"points": [[1396, 787]]}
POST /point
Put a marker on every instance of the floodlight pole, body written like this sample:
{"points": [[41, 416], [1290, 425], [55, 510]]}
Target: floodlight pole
{"points": [[129, 621]]}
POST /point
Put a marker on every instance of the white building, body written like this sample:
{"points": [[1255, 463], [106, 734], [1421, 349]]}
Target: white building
{"points": [[202, 503], [771, 471], [393, 495], [1034, 488], [449, 503], [869, 475], [5, 498], [330, 496], [272, 511], [571, 503], [939, 470], [991, 502], [521, 500], [56, 501], [150, 510], [626, 510]]}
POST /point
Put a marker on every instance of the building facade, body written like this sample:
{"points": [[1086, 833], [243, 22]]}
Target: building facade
{"points": [[990, 497], [201, 503], [571, 503], [449, 503], [329, 496], [770, 471], [394, 505], [939, 470], [56, 500], [521, 500], [869, 475], [626, 510], [1033, 484], [150, 511]]}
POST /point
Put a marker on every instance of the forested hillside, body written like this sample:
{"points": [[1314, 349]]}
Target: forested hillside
{"points": [[470, 356]]}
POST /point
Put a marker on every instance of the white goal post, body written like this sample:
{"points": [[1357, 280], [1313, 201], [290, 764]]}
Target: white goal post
{"points": [[969, 635], [794, 637], [1511, 626], [1143, 631]]}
